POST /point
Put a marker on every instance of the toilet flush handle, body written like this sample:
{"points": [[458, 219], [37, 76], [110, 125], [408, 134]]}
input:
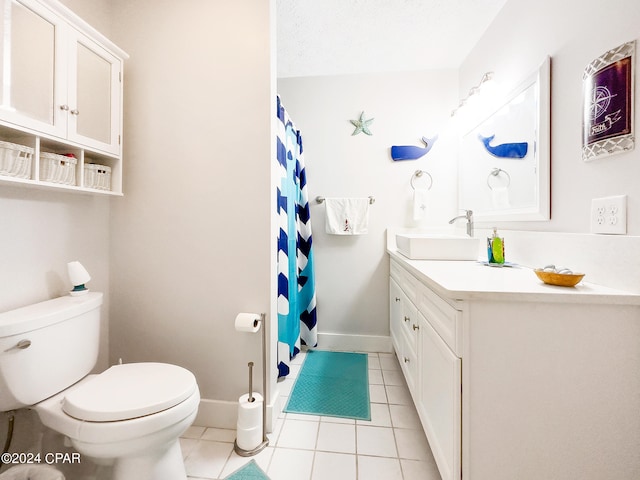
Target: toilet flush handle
{"points": [[22, 344]]}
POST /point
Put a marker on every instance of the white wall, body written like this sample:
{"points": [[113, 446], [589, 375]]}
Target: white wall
{"points": [[192, 242], [573, 33], [40, 232], [352, 272]]}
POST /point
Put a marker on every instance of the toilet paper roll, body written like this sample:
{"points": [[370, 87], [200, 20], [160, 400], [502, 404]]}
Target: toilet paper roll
{"points": [[248, 322], [249, 413], [249, 438]]}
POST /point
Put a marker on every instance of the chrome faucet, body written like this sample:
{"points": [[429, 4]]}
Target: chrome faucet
{"points": [[469, 217]]}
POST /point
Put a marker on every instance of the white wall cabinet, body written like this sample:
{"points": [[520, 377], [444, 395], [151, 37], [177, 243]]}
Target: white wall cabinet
{"points": [[61, 89], [516, 379]]}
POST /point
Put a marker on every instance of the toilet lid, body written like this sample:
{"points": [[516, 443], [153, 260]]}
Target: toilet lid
{"points": [[128, 391]]}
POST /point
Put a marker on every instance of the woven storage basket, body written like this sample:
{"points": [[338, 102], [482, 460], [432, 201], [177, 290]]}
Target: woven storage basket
{"points": [[97, 176], [58, 168], [15, 160]]}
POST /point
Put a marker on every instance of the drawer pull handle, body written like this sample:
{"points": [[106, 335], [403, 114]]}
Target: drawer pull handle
{"points": [[416, 327], [407, 319], [406, 360], [397, 299]]}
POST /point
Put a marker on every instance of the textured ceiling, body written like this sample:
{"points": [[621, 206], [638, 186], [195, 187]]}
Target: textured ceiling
{"points": [[333, 37]]}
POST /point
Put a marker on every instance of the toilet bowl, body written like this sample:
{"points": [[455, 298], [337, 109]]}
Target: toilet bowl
{"points": [[130, 416]]}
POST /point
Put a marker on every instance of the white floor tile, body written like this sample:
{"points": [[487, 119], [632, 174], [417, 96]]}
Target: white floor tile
{"points": [[373, 363], [236, 461], [303, 417], [388, 361], [207, 459], [405, 416], [336, 437], [298, 434], [219, 435], [334, 466], [398, 395], [412, 444], [375, 377], [370, 468], [391, 446], [287, 464], [416, 470], [380, 416], [187, 445], [377, 394], [378, 441], [349, 421], [194, 432]]}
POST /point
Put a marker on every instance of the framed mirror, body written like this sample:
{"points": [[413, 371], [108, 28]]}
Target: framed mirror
{"points": [[505, 161]]}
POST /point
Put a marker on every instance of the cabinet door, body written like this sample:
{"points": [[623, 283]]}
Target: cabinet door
{"points": [[440, 400], [395, 308], [32, 68], [94, 95]]}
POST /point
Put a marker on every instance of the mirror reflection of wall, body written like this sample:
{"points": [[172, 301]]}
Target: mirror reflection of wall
{"points": [[505, 159]]}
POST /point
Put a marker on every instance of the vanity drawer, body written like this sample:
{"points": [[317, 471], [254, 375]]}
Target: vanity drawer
{"points": [[408, 283], [445, 320]]}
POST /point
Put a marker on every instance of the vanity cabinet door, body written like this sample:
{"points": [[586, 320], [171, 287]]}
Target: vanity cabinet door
{"points": [[32, 69], [440, 399], [395, 308], [403, 314]]}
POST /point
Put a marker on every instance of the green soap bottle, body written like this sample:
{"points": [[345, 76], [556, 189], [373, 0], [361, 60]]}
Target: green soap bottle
{"points": [[497, 247]]}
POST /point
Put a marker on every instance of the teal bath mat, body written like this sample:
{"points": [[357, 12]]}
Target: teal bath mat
{"points": [[333, 384], [251, 471]]}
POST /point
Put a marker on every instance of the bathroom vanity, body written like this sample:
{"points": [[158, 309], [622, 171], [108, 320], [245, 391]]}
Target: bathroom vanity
{"points": [[515, 379]]}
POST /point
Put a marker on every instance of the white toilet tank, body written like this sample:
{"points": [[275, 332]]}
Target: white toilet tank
{"points": [[47, 347]]}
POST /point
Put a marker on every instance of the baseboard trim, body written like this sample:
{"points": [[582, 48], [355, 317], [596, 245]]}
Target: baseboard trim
{"points": [[357, 343], [224, 414]]}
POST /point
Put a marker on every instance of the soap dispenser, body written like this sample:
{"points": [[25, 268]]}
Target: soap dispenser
{"points": [[495, 248]]}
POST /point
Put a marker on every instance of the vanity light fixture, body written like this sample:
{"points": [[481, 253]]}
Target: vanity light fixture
{"points": [[487, 77]]}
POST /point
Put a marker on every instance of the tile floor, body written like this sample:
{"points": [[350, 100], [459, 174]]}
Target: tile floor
{"points": [[392, 446]]}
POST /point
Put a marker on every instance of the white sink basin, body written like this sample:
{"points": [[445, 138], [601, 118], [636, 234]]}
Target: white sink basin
{"points": [[434, 246]]}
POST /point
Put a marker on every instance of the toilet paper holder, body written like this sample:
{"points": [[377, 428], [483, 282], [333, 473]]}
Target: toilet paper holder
{"points": [[265, 441]]}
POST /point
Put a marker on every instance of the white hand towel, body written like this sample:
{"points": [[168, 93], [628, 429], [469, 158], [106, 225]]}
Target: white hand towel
{"points": [[500, 197], [347, 216], [420, 203]]}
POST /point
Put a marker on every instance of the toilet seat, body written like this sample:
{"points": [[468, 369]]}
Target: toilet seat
{"points": [[129, 391]]}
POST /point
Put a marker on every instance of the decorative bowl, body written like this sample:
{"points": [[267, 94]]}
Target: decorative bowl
{"points": [[561, 279]]}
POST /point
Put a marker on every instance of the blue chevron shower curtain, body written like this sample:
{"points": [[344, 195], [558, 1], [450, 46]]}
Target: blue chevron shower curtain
{"points": [[296, 284]]}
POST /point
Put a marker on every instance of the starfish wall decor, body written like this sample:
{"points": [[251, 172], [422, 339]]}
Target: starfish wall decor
{"points": [[361, 125]]}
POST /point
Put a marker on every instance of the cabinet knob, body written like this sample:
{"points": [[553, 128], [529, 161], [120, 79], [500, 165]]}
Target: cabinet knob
{"points": [[64, 107], [416, 327], [406, 360], [75, 111], [397, 299], [407, 319]]}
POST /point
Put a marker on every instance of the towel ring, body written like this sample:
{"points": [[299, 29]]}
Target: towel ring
{"points": [[494, 173], [418, 174]]}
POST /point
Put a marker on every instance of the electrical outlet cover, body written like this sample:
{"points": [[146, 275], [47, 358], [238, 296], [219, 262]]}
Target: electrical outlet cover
{"points": [[609, 215]]}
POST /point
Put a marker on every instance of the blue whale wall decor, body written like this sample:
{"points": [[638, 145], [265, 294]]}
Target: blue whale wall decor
{"points": [[410, 152], [505, 150]]}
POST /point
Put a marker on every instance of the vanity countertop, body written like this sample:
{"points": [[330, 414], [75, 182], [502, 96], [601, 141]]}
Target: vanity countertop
{"points": [[470, 280]]}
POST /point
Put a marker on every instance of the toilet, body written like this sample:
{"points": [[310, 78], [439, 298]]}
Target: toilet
{"points": [[130, 416]]}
